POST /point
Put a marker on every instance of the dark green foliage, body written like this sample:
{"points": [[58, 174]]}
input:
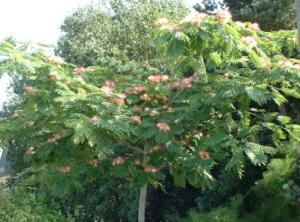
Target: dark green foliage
{"points": [[107, 199], [22, 206], [269, 14]]}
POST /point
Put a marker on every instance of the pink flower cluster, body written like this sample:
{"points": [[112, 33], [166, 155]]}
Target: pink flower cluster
{"points": [[137, 90], [137, 120], [183, 83], [109, 87], [197, 19], [164, 127], [224, 17], [158, 78], [118, 161], [250, 41]]}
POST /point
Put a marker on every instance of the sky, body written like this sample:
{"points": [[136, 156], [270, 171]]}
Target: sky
{"points": [[37, 20]]}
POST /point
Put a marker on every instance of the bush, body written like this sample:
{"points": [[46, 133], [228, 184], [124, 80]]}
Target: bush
{"points": [[17, 205]]}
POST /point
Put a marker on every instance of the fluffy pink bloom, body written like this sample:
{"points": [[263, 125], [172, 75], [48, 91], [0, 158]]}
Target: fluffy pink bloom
{"points": [[65, 169], [29, 123], [224, 17], [117, 101], [196, 20], [94, 162], [170, 27], [150, 169], [30, 151], [296, 66], [79, 70], [15, 115], [182, 84], [161, 21], [163, 126], [55, 60], [158, 78], [53, 76], [137, 90], [110, 83], [154, 112], [154, 149], [240, 24], [95, 118], [118, 161], [29, 90], [204, 155], [107, 89], [255, 27], [145, 98], [250, 41], [137, 120]]}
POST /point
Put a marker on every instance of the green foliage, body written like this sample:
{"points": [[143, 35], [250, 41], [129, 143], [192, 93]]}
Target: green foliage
{"points": [[269, 14], [273, 197], [115, 29], [228, 109], [21, 206]]}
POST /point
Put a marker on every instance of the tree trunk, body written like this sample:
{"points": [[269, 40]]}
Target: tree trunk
{"points": [[297, 7], [142, 204]]}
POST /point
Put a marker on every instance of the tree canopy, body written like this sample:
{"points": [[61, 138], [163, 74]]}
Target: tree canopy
{"points": [[269, 14]]}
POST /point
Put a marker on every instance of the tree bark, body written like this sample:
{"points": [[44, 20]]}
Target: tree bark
{"points": [[297, 7], [142, 204]]}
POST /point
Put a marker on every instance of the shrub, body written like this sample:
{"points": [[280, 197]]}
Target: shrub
{"points": [[20, 206]]}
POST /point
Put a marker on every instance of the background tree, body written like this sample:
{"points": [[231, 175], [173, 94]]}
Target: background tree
{"points": [[297, 6], [115, 28], [269, 14]]}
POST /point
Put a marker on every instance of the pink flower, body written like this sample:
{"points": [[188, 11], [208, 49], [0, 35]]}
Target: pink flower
{"points": [[29, 90], [265, 63], [53, 76], [285, 63], [15, 115], [296, 66], [30, 151], [117, 101], [95, 118], [106, 89], [161, 21], [55, 60], [145, 98], [118, 161], [52, 141], [158, 78], [182, 84], [137, 120], [170, 27], [94, 162], [197, 19], [250, 41], [255, 27], [154, 112], [110, 83], [224, 17], [204, 155], [164, 127], [65, 169], [29, 123], [137, 90], [150, 169], [240, 24], [154, 149], [79, 70]]}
